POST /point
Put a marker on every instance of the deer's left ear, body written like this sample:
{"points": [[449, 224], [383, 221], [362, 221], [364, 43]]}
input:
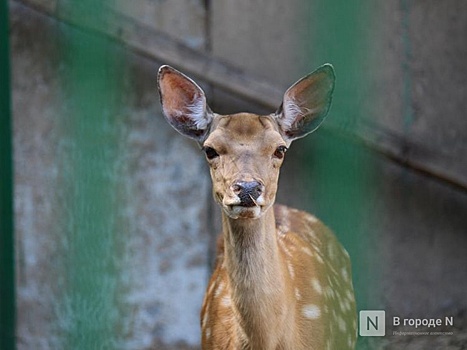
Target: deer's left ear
{"points": [[183, 103], [306, 103]]}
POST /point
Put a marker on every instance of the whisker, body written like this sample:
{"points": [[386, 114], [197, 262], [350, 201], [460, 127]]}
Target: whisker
{"points": [[253, 200]]}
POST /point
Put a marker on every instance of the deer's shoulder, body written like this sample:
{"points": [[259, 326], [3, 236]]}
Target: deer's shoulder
{"points": [[298, 227]]}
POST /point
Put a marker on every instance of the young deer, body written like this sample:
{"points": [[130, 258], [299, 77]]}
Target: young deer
{"points": [[282, 280]]}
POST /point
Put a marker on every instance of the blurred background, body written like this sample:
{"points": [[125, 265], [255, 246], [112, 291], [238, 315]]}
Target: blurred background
{"points": [[110, 241]]}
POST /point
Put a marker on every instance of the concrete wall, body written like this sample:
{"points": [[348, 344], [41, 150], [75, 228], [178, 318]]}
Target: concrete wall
{"points": [[399, 67], [158, 248], [387, 172]]}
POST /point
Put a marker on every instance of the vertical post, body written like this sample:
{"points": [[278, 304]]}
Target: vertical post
{"points": [[91, 206], [341, 169], [7, 256]]}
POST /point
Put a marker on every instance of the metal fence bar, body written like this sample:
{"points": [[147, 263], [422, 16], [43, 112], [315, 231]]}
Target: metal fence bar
{"points": [[91, 206], [7, 256], [342, 172]]}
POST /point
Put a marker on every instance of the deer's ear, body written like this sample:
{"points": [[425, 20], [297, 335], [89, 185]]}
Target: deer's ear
{"points": [[306, 103], [183, 103]]}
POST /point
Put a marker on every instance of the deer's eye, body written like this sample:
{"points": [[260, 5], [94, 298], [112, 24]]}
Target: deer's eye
{"points": [[210, 152], [280, 152]]}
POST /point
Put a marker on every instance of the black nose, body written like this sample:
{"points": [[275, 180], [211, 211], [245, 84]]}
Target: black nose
{"points": [[248, 192]]}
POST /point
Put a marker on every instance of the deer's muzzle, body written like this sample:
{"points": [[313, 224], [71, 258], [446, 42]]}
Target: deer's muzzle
{"points": [[248, 192]]}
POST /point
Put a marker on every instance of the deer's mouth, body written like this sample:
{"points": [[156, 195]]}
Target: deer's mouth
{"points": [[244, 212], [245, 209], [244, 205]]}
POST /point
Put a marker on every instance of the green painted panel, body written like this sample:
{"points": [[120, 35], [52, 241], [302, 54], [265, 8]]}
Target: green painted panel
{"points": [[89, 309], [7, 268], [340, 169]]}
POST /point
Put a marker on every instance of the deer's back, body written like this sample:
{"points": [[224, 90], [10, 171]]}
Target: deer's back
{"points": [[321, 268]]}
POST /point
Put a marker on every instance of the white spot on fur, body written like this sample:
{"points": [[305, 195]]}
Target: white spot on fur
{"points": [[311, 311], [219, 290], [312, 234], [345, 274], [298, 296], [320, 259], [311, 219], [345, 252], [291, 269], [282, 230], [349, 295], [226, 301], [329, 292], [285, 248], [341, 304], [316, 286], [211, 287], [347, 306], [317, 249], [307, 251], [205, 319], [341, 324]]}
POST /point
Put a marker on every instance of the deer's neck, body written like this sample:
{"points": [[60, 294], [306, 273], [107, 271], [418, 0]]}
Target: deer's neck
{"points": [[257, 278]]}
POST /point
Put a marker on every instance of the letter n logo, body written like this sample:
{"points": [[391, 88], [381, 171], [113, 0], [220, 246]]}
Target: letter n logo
{"points": [[372, 323]]}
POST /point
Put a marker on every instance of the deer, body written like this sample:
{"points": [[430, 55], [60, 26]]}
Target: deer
{"points": [[282, 280]]}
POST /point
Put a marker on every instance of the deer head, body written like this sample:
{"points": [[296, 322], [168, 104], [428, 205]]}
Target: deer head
{"points": [[245, 151]]}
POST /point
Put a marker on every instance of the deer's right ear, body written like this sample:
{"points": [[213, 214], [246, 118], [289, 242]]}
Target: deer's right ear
{"points": [[183, 103]]}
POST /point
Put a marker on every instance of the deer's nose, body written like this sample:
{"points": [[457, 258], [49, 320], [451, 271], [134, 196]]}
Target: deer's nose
{"points": [[248, 192]]}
